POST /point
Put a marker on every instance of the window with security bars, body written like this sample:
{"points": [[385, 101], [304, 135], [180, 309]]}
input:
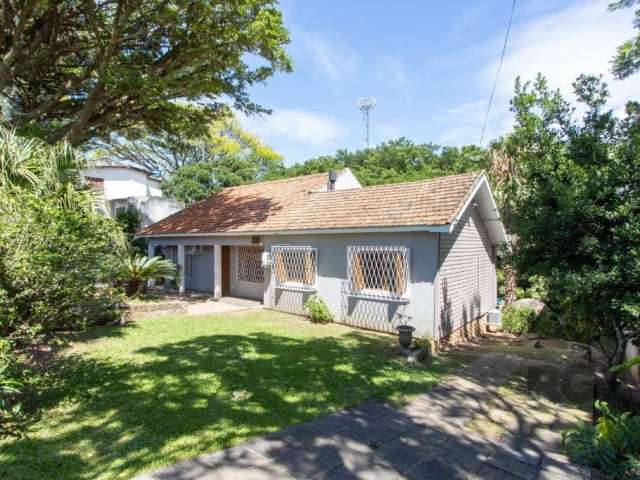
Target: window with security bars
{"points": [[378, 272], [294, 266], [249, 264]]}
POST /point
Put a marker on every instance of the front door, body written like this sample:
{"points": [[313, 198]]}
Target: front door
{"points": [[226, 270]]}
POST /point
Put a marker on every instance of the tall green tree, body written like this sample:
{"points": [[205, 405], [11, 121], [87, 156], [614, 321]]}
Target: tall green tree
{"points": [[78, 70], [577, 210], [226, 155], [395, 161], [504, 181], [168, 151], [626, 62]]}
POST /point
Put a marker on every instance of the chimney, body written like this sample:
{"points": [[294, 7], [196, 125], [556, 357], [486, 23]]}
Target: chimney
{"points": [[333, 176]]}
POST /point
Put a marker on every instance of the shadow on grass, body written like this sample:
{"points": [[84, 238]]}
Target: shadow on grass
{"points": [[114, 419]]}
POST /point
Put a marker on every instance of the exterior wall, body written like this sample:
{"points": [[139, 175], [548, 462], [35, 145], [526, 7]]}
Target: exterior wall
{"points": [[332, 275], [125, 182], [201, 278], [466, 286], [244, 289]]}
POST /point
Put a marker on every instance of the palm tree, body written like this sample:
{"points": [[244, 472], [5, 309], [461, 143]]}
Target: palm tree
{"points": [[504, 179], [33, 166], [138, 269]]}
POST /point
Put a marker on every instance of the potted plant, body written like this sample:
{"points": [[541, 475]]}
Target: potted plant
{"points": [[405, 332]]}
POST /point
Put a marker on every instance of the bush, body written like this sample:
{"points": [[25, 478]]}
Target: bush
{"points": [[56, 265], [11, 418], [546, 325], [612, 446], [317, 310], [517, 320], [138, 269]]}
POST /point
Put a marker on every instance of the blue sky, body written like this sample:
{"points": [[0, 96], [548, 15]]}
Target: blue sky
{"points": [[429, 64]]}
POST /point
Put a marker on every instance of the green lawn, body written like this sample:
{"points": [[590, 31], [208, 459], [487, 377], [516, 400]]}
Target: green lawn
{"points": [[123, 400]]}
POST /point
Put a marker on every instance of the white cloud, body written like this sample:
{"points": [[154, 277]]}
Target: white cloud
{"points": [[577, 39], [300, 126], [336, 62]]}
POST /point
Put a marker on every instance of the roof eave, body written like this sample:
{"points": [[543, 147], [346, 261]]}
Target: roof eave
{"points": [[307, 231]]}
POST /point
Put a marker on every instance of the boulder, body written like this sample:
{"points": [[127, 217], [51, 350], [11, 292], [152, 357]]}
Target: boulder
{"points": [[536, 305]]}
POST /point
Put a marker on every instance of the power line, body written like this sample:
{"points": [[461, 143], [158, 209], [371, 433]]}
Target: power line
{"points": [[495, 83]]}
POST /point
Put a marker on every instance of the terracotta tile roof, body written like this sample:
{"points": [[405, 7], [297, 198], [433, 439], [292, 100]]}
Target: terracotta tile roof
{"points": [[297, 204]]}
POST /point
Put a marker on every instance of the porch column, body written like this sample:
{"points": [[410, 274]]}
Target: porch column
{"points": [[181, 268], [151, 252], [217, 270]]}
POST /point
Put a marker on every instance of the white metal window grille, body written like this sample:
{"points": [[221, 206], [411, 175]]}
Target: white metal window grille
{"points": [[294, 266], [249, 264], [378, 272]]}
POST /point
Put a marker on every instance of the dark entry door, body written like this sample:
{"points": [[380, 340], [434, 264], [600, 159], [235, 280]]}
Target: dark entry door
{"points": [[226, 270]]}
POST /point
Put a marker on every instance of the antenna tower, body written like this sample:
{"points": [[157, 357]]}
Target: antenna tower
{"points": [[365, 105]]}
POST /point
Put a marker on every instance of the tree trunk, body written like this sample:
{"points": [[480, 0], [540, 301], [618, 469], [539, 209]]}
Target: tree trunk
{"points": [[510, 284], [616, 359], [133, 287]]}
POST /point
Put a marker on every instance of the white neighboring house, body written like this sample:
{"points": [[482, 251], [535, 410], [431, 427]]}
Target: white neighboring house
{"points": [[125, 185]]}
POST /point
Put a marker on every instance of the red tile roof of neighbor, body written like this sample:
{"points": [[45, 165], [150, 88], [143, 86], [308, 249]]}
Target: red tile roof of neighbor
{"points": [[298, 204]]}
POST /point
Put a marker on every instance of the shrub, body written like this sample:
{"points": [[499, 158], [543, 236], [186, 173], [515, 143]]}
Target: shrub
{"points": [[317, 310], [11, 418], [517, 320], [546, 325], [55, 266], [612, 445], [138, 269]]}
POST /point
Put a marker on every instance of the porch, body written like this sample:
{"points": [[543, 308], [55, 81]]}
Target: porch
{"points": [[230, 269]]}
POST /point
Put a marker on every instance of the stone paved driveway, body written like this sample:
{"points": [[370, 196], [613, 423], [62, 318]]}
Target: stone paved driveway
{"points": [[429, 438]]}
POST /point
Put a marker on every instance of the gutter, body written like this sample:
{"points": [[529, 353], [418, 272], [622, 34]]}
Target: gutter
{"points": [[317, 231]]}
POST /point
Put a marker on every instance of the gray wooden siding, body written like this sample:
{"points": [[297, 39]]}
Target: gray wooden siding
{"points": [[467, 278]]}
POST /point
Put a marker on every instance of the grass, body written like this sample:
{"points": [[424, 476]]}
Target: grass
{"points": [[125, 400]]}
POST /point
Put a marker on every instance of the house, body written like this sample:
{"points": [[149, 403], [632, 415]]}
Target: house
{"points": [[125, 185], [422, 252]]}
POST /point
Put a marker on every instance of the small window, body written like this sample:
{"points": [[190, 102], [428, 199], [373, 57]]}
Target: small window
{"points": [[378, 272], [249, 265], [294, 266]]}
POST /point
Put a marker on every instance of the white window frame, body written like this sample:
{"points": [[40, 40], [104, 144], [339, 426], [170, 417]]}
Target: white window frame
{"points": [[284, 253], [354, 252], [259, 268]]}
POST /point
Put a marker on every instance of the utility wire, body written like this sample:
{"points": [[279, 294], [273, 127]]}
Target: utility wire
{"points": [[495, 83]]}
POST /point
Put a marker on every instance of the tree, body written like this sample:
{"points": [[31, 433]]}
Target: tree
{"points": [[395, 161], [57, 254], [167, 151], [627, 59], [503, 175], [77, 70], [577, 211], [226, 156]]}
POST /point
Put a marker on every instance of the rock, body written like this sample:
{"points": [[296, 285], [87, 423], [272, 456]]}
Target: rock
{"points": [[536, 305], [416, 356]]}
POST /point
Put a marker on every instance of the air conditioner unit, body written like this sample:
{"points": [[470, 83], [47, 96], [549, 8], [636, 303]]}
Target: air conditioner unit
{"points": [[266, 259]]}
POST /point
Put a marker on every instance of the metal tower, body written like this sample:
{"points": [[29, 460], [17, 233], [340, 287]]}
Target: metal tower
{"points": [[366, 105]]}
